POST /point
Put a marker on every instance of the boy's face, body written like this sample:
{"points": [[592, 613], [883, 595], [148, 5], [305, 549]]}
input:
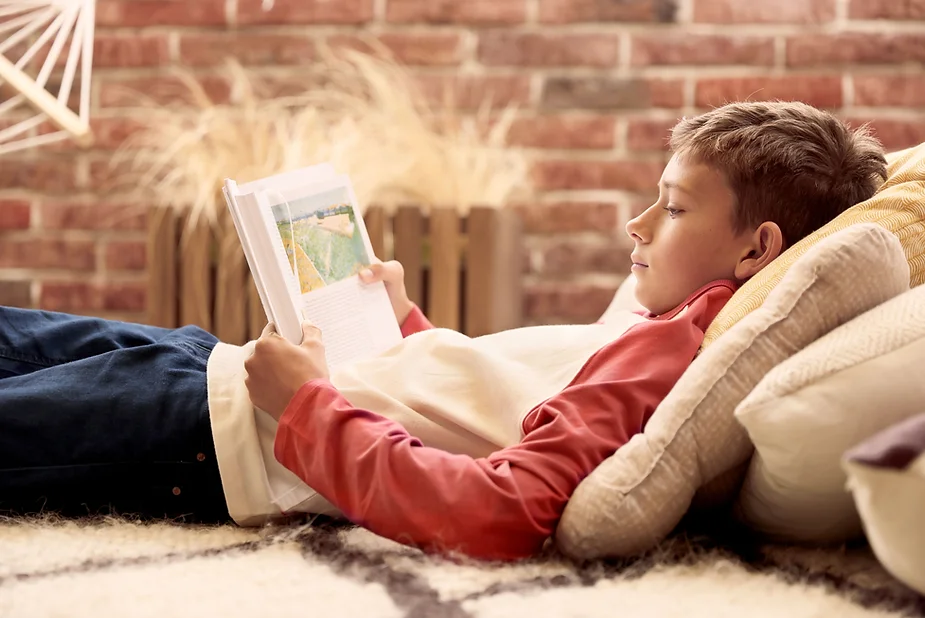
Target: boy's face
{"points": [[686, 239]]}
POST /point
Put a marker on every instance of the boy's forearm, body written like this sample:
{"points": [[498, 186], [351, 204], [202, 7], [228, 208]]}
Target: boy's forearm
{"points": [[380, 477]]}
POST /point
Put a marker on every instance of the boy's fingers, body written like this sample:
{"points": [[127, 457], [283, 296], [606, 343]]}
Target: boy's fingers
{"points": [[310, 331], [269, 329], [371, 273]]}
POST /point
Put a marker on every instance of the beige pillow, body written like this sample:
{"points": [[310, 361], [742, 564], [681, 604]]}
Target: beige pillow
{"points": [[634, 498], [810, 409], [898, 205], [886, 475], [624, 299]]}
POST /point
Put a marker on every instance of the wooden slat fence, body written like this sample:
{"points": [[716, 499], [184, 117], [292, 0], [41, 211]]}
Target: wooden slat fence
{"points": [[463, 271]]}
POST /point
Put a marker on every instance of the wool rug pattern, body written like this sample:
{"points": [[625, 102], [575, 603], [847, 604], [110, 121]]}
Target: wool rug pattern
{"points": [[126, 569]]}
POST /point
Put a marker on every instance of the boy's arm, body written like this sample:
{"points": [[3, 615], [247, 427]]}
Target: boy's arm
{"points": [[503, 506], [415, 322]]}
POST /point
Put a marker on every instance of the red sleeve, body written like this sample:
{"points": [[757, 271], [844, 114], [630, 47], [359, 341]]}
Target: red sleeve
{"points": [[503, 506], [415, 322]]}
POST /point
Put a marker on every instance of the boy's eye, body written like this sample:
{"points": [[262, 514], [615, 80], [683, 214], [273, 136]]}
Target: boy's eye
{"points": [[672, 212]]}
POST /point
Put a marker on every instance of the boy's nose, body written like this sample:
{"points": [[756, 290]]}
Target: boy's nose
{"points": [[636, 229]]}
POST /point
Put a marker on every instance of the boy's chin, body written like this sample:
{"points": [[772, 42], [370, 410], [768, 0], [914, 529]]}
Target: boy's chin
{"points": [[655, 304]]}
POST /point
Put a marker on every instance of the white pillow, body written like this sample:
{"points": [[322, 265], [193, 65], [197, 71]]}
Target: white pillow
{"points": [[813, 407], [693, 443], [886, 474]]}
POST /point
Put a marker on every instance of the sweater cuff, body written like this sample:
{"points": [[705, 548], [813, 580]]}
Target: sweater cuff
{"points": [[415, 322]]}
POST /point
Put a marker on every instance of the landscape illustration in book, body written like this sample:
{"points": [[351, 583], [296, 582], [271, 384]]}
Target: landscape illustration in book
{"points": [[321, 238]]}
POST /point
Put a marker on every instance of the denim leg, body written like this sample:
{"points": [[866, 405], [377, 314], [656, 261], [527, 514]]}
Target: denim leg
{"points": [[103, 416], [31, 339]]}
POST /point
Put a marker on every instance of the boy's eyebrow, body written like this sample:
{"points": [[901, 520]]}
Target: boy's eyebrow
{"points": [[673, 185]]}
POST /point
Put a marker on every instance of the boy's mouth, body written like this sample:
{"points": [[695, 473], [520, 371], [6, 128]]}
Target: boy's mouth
{"points": [[637, 263]]}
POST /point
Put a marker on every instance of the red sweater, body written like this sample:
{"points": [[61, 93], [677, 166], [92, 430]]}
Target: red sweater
{"points": [[506, 505]]}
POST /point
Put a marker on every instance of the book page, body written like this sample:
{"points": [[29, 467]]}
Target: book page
{"points": [[321, 238], [296, 179], [351, 334]]}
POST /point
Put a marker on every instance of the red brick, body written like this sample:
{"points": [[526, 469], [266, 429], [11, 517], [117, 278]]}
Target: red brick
{"points": [[626, 175], [159, 91], [288, 12], [572, 11], [578, 131], [419, 48], [889, 90], [93, 216], [208, 49], [48, 253], [16, 294], [14, 215], [115, 51], [109, 177], [124, 296], [482, 12], [895, 134], [886, 9], [781, 12], [130, 51], [645, 134], [82, 296], [471, 91], [568, 257], [855, 48], [46, 175], [69, 296], [110, 133], [564, 301], [126, 255], [542, 50], [279, 86], [653, 50], [819, 90], [609, 93], [143, 13], [566, 217]]}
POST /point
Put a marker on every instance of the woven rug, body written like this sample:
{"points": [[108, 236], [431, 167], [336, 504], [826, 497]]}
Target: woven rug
{"points": [[129, 569]]}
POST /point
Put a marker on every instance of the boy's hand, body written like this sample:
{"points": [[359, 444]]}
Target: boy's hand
{"points": [[392, 274], [277, 369]]}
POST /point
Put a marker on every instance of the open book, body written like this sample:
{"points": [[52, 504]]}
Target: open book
{"points": [[305, 242]]}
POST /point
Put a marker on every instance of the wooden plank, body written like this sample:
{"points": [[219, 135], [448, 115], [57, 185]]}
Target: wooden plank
{"points": [[408, 231], [494, 296], [507, 297], [375, 227], [162, 267], [480, 257], [443, 291], [195, 292], [230, 315]]}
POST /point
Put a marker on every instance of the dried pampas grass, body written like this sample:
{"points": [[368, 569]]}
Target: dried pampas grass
{"points": [[363, 113]]}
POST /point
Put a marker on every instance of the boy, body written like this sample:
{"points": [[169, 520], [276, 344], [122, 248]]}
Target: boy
{"points": [[445, 442]]}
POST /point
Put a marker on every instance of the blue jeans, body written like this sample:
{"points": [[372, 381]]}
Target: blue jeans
{"points": [[105, 417]]}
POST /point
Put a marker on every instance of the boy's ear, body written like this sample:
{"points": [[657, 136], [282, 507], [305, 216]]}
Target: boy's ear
{"points": [[766, 243]]}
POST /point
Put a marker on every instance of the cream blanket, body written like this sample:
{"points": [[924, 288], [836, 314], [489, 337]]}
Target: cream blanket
{"points": [[456, 393]]}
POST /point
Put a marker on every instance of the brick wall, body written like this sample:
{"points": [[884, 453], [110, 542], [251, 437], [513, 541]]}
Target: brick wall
{"points": [[599, 82]]}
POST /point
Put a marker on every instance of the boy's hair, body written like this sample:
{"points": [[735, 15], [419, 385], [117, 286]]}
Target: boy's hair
{"points": [[789, 163]]}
